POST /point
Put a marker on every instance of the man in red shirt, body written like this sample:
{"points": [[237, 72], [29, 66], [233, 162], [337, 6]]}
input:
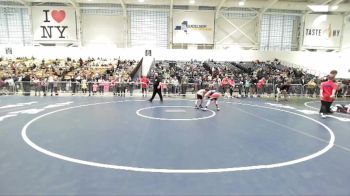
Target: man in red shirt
{"points": [[224, 85], [327, 95], [261, 84], [144, 85], [232, 83]]}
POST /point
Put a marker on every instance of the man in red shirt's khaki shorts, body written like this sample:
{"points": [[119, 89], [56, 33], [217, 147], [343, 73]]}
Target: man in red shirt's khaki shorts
{"points": [[327, 94]]}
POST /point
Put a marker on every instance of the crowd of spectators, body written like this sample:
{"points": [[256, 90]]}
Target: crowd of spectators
{"points": [[61, 75], [97, 76], [250, 78]]}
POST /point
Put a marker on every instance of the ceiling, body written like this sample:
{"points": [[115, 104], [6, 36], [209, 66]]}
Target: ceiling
{"points": [[343, 5]]}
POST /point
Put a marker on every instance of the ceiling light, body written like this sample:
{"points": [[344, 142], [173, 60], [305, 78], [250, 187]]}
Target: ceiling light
{"points": [[141, 1], [319, 8], [334, 7], [192, 1], [241, 3]]}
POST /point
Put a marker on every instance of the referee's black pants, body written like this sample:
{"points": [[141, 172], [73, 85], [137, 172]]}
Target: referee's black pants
{"points": [[325, 107], [157, 91]]}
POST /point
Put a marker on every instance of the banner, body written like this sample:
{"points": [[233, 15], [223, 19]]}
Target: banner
{"points": [[193, 27], [54, 24], [8, 50], [322, 31]]}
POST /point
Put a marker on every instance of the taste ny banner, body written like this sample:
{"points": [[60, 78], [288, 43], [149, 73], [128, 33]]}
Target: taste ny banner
{"points": [[54, 24], [193, 27], [322, 31]]}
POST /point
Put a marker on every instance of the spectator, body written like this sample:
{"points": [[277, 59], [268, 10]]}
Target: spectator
{"points": [[84, 85], [37, 86], [225, 84], [131, 86], [311, 86], [55, 85], [26, 85], [94, 88], [50, 81], [247, 87], [184, 83], [144, 85], [260, 85]]}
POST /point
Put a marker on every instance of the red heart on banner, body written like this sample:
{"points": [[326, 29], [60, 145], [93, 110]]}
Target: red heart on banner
{"points": [[58, 15]]}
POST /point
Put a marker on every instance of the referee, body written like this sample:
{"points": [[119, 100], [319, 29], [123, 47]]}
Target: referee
{"points": [[157, 88]]}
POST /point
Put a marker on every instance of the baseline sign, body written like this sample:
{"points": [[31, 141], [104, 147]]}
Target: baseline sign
{"points": [[193, 27], [322, 31], [54, 24]]}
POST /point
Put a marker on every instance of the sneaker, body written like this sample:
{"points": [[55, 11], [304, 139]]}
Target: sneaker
{"points": [[218, 109], [204, 109], [195, 107], [323, 116]]}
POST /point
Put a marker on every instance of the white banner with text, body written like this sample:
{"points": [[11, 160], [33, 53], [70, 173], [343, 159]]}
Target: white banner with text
{"points": [[322, 31], [193, 27], [54, 24]]}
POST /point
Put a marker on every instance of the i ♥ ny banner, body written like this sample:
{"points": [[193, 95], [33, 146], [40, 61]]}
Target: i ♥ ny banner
{"points": [[54, 24]]}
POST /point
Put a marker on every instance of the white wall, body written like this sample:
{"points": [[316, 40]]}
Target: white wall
{"points": [[146, 65], [346, 34], [75, 52], [103, 30], [223, 28], [320, 62]]}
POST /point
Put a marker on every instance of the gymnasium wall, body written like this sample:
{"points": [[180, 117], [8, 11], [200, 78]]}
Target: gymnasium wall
{"points": [[346, 38], [103, 30], [223, 29]]}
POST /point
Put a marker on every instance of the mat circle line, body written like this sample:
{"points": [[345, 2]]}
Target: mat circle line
{"points": [[176, 171], [311, 107], [138, 112]]}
